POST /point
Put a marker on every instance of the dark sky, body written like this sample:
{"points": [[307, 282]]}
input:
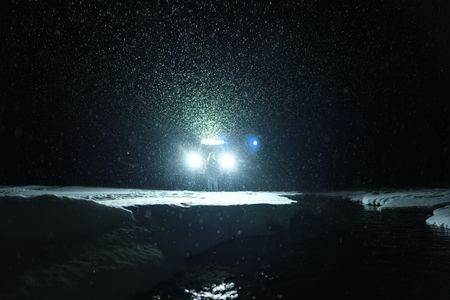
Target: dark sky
{"points": [[342, 95]]}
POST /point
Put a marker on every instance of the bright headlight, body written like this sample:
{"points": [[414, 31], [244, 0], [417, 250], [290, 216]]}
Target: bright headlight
{"points": [[227, 161], [194, 160]]}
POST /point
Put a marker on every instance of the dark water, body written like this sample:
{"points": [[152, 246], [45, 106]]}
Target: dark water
{"points": [[334, 249]]}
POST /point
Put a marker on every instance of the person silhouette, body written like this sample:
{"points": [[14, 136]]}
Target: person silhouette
{"points": [[212, 172]]}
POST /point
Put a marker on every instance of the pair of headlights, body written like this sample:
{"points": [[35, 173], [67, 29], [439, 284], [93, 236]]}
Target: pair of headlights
{"points": [[195, 160]]}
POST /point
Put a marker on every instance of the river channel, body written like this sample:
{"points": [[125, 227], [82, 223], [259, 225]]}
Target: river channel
{"points": [[334, 249]]}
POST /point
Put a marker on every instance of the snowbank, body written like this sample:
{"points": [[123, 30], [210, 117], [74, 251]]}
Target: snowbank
{"points": [[134, 238], [441, 217], [427, 199], [436, 200], [194, 220], [49, 217], [407, 199], [128, 197]]}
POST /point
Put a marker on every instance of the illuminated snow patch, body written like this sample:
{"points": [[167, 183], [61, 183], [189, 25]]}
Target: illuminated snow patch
{"points": [[425, 200], [407, 199], [180, 224], [131, 197], [441, 217]]}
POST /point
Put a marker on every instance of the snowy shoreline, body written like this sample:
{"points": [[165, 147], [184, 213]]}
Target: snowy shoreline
{"points": [[436, 201], [124, 230], [109, 233]]}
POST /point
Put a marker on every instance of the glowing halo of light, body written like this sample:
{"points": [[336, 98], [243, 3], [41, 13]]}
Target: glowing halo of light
{"points": [[194, 160], [253, 143], [212, 142], [227, 161]]}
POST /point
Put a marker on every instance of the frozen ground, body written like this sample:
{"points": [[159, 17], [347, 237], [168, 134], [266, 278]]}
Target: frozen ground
{"points": [[132, 197], [49, 217], [92, 236], [36, 213], [441, 217], [62, 239], [428, 200], [432, 200]]}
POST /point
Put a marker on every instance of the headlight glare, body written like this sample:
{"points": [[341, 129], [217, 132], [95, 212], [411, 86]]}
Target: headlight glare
{"points": [[228, 161], [194, 160]]}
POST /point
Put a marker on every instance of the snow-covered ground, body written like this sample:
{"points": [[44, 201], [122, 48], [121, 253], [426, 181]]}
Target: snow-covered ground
{"points": [[81, 232], [435, 200], [31, 213], [441, 217], [39, 212], [130, 197], [426, 199], [429, 200], [154, 230], [49, 217]]}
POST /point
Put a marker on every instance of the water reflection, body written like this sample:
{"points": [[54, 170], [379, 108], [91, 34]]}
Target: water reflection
{"points": [[223, 291], [440, 233], [334, 244]]}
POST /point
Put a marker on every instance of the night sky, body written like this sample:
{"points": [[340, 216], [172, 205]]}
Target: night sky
{"points": [[341, 95]]}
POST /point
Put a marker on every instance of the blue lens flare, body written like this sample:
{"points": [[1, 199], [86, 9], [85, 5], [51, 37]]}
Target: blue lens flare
{"points": [[252, 143]]}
